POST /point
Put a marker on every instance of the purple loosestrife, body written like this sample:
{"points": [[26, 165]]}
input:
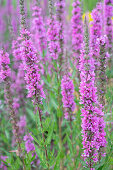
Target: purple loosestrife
{"points": [[22, 14], [77, 31], [53, 34], [67, 90], [92, 121], [5, 70], [101, 89], [60, 5], [5, 73], [108, 10], [103, 57], [96, 32], [38, 29], [32, 76]]}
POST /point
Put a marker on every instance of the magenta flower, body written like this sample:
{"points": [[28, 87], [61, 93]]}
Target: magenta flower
{"points": [[53, 38], [32, 76], [96, 32], [38, 29], [92, 121], [60, 5], [77, 31], [108, 8], [67, 90], [5, 71]]}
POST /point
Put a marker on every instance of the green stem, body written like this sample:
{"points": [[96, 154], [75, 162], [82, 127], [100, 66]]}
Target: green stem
{"points": [[40, 117]]}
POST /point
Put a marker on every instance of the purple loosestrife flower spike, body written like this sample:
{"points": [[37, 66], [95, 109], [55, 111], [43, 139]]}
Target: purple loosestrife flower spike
{"points": [[77, 31], [32, 76], [101, 89], [96, 32], [53, 34], [108, 8], [88, 97], [60, 4], [67, 90], [5, 76], [22, 14], [92, 122], [5, 70], [38, 29], [101, 86]]}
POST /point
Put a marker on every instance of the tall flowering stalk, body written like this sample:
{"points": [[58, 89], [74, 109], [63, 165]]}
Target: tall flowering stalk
{"points": [[22, 14], [5, 73], [77, 31], [53, 34], [38, 29], [67, 88], [67, 91], [92, 121], [108, 10], [95, 33], [32, 76], [30, 61], [101, 89], [60, 4], [102, 69]]}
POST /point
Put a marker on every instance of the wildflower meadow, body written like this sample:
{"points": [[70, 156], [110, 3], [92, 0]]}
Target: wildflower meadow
{"points": [[56, 84]]}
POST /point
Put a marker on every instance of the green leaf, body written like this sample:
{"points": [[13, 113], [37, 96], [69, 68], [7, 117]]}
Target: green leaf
{"points": [[50, 132], [41, 157]]}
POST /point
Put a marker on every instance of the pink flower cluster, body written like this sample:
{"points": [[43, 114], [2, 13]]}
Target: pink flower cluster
{"points": [[53, 38], [38, 29], [92, 121], [5, 70], [67, 88], [32, 76], [77, 30], [96, 31], [108, 5], [60, 5]]}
